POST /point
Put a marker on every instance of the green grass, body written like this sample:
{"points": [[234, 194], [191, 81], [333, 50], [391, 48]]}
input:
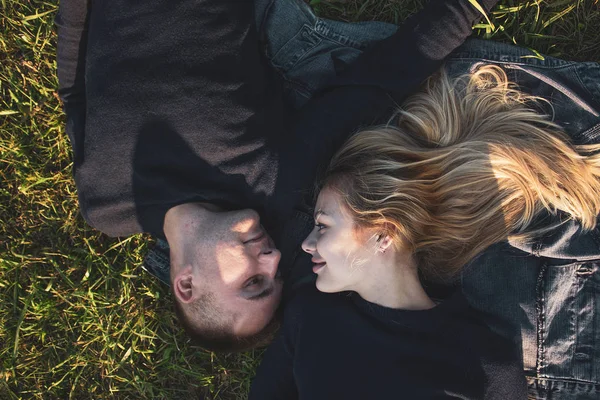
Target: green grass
{"points": [[78, 317]]}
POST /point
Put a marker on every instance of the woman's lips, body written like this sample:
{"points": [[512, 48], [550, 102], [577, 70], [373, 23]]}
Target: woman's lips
{"points": [[318, 266]]}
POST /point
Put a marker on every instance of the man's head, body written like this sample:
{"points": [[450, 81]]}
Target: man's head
{"points": [[223, 275]]}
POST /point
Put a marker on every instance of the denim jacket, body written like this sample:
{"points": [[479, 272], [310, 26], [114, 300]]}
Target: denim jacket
{"points": [[545, 295]]}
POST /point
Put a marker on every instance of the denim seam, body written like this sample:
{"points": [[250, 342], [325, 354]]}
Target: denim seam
{"points": [[566, 91], [540, 309], [312, 40], [316, 34], [591, 134], [564, 380], [327, 32], [595, 234], [585, 86], [525, 59], [576, 348]]}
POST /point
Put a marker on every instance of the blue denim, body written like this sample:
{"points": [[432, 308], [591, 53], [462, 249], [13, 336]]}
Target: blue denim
{"points": [[545, 294], [542, 295], [308, 51]]}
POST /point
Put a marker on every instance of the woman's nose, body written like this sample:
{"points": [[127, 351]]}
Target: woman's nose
{"points": [[309, 244]]}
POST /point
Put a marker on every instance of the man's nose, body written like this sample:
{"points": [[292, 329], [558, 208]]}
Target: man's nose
{"points": [[270, 262], [310, 243]]}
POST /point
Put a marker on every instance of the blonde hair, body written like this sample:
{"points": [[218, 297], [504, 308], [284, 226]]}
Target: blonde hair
{"points": [[463, 165]]}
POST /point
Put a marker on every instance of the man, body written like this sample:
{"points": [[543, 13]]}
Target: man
{"points": [[179, 129]]}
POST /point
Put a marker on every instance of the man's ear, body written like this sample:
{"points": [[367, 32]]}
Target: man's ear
{"points": [[183, 285]]}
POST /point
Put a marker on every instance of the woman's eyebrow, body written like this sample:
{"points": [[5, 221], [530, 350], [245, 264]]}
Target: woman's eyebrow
{"points": [[320, 212]]}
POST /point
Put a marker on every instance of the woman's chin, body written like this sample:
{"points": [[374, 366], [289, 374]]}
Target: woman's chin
{"points": [[326, 287], [321, 287]]}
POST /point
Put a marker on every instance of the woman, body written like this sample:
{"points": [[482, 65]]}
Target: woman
{"points": [[465, 164]]}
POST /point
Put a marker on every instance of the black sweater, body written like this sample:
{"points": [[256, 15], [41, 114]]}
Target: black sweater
{"points": [[171, 102], [167, 102], [339, 346]]}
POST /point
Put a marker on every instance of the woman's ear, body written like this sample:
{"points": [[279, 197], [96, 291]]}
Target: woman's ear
{"points": [[385, 241]]}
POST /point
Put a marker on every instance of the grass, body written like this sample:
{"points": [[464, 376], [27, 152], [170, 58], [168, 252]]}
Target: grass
{"points": [[78, 317]]}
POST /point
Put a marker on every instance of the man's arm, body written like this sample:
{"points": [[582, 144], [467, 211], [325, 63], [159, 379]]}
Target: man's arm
{"points": [[400, 63], [71, 23]]}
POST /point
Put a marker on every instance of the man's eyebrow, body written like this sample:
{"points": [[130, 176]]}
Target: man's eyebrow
{"points": [[265, 293]]}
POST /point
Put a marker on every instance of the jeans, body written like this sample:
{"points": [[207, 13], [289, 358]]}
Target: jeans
{"points": [[542, 295]]}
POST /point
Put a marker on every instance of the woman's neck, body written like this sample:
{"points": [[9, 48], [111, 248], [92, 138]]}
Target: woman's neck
{"points": [[394, 283]]}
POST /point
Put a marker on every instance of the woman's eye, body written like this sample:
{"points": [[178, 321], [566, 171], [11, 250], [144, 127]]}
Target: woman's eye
{"points": [[320, 226]]}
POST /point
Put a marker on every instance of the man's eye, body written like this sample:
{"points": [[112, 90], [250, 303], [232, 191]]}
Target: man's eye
{"points": [[254, 281]]}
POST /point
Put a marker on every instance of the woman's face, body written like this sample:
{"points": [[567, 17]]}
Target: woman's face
{"points": [[340, 253]]}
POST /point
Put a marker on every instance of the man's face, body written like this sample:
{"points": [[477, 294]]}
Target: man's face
{"points": [[237, 261], [245, 277]]}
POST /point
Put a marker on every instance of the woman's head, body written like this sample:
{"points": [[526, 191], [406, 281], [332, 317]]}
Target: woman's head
{"points": [[343, 253], [465, 164]]}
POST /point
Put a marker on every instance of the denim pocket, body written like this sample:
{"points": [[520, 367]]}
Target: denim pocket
{"points": [[568, 334], [295, 49], [588, 73]]}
